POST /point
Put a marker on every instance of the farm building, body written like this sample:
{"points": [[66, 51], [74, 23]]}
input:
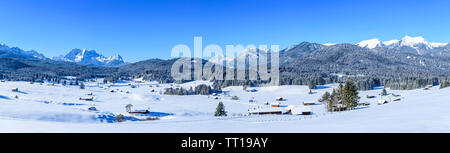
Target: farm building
{"points": [[395, 95], [274, 104], [382, 101], [251, 90], [235, 98], [279, 99], [364, 104], [307, 103], [15, 90], [299, 110], [139, 112], [398, 99], [428, 87], [368, 96], [339, 107], [87, 98], [267, 110]]}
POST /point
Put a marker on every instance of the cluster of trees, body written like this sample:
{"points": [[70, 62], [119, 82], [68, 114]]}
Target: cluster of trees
{"points": [[345, 97], [199, 90]]}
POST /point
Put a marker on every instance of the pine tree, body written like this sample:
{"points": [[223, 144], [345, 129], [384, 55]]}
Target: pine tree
{"points": [[350, 98], [325, 97], [384, 92], [332, 101], [82, 85], [220, 110], [444, 84]]}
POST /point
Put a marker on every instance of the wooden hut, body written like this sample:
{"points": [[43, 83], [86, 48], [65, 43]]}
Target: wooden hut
{"points": [[308, 103], [274, 104], [299, 110], [267, 110], [87, 98]]}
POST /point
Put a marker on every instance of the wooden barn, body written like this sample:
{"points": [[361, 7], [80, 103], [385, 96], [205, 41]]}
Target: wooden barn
{"points": [[395, 95], [87, 98], [382, 101], [308, 103], [369, 97], [275, 104], [267, 110], [139, 112], [299, 110]]}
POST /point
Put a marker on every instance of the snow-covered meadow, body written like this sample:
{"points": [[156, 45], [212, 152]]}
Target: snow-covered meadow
{"points": [[45, 108]]}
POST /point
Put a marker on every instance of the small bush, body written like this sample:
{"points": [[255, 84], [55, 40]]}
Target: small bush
{"points": [[120, 118]]}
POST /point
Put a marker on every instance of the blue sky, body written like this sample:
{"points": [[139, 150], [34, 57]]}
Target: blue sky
{"points": [[144, 29]]}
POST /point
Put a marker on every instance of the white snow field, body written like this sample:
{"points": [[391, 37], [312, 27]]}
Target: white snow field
{"points": [[44, 108]]}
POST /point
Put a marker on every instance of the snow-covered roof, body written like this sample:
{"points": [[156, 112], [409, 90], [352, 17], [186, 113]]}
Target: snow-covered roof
{"points": [[300, 109], [309, 102], [267, 109]]}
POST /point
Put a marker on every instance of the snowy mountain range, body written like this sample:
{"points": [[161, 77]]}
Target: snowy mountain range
{"points": [[18, 51], [407, 41], [417, 44], [251, 53], [90, 57]]}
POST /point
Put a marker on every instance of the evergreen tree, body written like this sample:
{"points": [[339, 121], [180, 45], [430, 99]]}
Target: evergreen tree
{"points": [[351, 97], [444, 84], [220, 110], [332, 101], [312, 85], [384, 92], [325, 97], [82, 85]]}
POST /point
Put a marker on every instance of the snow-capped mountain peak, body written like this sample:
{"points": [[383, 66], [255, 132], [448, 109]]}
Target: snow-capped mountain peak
{"points": [[18, 51], [329, 44], [418, 43], [390, 42], [412, 41], [371, 43], [90, 57], [252, 53]]}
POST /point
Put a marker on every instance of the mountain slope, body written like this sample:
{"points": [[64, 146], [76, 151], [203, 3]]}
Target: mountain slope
{"points": [[90, 57]]}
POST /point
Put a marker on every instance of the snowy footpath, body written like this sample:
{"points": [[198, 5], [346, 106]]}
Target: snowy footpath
{"points": [[56, 108]]}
